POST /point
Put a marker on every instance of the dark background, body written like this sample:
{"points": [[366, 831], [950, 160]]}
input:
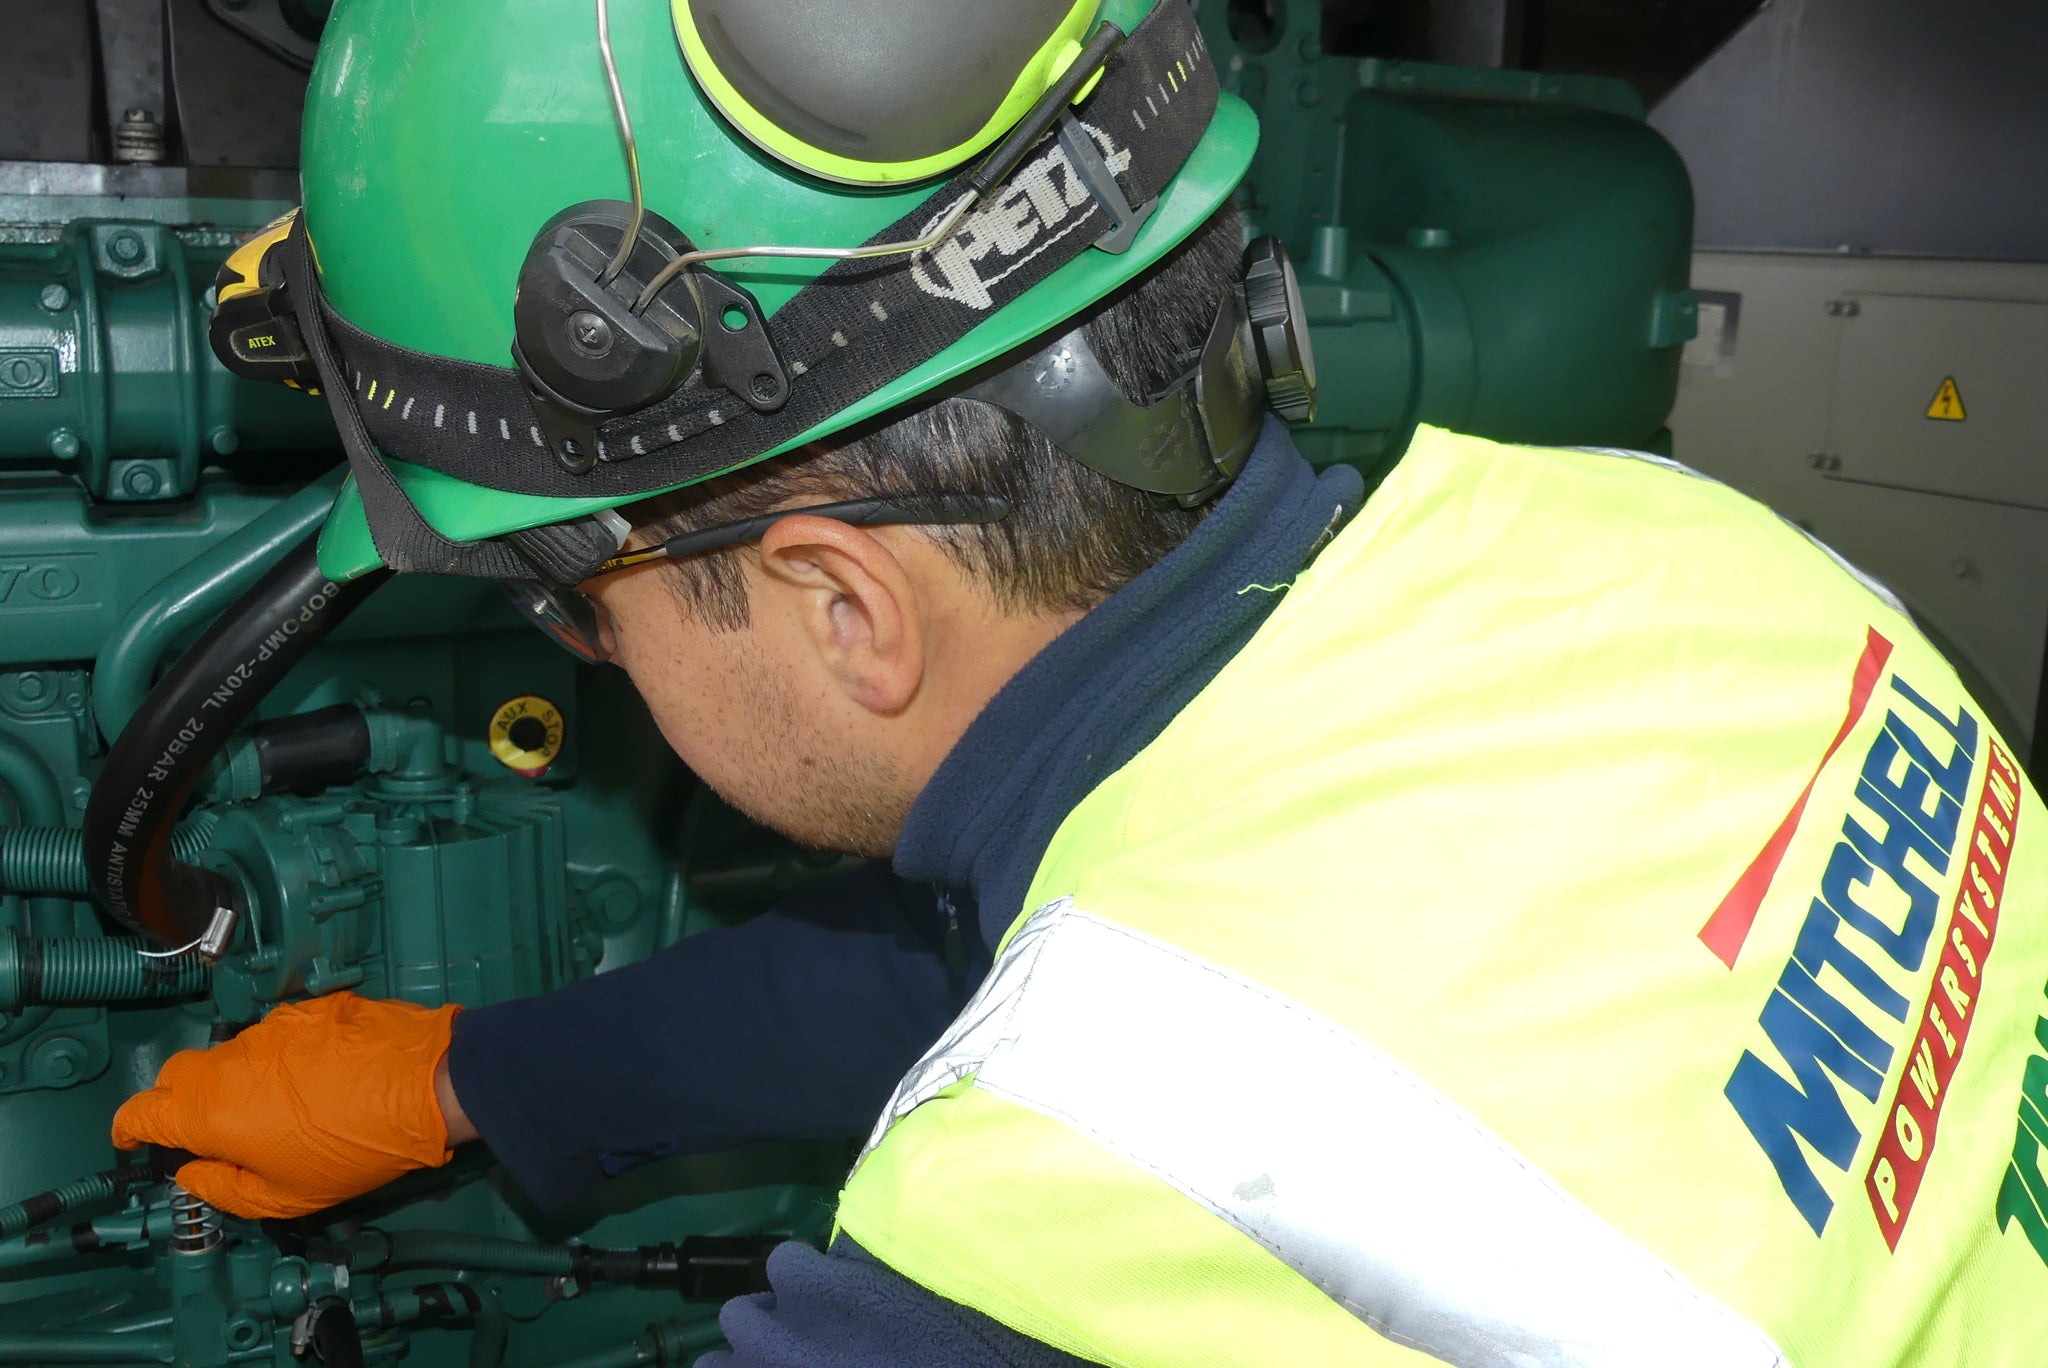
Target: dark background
{"points": [[1888, 126], [68, 68], [1650, 43]]}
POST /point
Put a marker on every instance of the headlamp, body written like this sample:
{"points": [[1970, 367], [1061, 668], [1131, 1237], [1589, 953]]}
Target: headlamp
{"points": [[254, 329]]}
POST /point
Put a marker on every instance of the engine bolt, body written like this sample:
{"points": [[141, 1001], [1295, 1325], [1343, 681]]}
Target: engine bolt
{"points": [[58, 1061], [139, 137]]}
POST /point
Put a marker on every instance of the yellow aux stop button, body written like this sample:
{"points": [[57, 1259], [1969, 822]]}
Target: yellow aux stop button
{"points": [[526, 734]]}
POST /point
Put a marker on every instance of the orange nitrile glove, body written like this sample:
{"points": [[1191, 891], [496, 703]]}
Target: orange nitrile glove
{"points": [[319, 1102]]}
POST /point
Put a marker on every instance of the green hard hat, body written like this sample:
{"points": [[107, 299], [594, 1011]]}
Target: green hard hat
{"points": [[440, 138]]}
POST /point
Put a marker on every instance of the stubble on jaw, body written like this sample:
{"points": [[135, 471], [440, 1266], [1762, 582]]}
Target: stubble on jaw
{"points": [[821, 796]]}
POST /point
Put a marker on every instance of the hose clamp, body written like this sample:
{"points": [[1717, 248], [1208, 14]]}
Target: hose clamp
{"points": [[213, 943]]}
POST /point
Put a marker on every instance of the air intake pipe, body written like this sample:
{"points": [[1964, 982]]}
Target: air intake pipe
{"points": [[182, 725]]}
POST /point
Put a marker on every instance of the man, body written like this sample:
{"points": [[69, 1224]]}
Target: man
{"points": [[1546, 912]]}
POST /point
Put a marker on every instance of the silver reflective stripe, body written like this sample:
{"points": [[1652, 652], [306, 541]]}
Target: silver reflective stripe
{"points": [[981, 1025], [1404, 1209]]}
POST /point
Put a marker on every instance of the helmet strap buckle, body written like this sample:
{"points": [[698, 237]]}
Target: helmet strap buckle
{"points": [[569, 429], [739, 350], [1096, 177]]}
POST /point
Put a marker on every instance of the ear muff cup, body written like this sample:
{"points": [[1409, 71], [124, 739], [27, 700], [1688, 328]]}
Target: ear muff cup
{"points": [[879, 92]]}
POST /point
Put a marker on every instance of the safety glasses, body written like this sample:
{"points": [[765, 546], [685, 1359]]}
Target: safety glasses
{"points": [[573, 620]]}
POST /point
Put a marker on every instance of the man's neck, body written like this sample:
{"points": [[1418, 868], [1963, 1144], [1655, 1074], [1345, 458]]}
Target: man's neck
{"points": [[1100, 691], [974, 648]]}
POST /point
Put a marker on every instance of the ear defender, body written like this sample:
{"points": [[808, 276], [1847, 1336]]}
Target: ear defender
{"points": [[586, 350], [1190, 440], [1279, 324]]}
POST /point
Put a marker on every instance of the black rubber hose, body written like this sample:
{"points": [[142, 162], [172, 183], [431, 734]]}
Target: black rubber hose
{"points": [[308, 752], [372, 1251], [182, 725], [334, 1339], [30, 1213], [423, 1304], [698, 1268]]}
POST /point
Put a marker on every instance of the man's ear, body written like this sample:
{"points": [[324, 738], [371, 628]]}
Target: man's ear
{"points": [[853, 601]]}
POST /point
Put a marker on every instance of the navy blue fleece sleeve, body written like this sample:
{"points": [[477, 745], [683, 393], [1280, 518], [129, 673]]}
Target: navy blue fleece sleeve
{"points": [[796, 1024], [846, 1309]]}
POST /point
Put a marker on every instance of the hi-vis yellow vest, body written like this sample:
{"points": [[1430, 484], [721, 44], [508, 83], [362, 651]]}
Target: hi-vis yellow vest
{"points": [[1585, 925]]}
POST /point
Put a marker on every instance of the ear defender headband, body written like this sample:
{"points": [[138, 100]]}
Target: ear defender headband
{"points": [[638, 368]]}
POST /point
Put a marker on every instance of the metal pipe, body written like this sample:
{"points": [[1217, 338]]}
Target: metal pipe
{"points": [[421, 1304], [195, 592], [30, 781], [85, 1346], [490, 1333], [31, 1213], [83, 1239]]}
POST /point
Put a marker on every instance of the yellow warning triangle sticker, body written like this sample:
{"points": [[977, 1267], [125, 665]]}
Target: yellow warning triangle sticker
{"points": [[1948, 402]]}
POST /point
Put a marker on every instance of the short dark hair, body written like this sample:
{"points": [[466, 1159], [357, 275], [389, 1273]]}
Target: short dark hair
{"points": [[1074, 536]]}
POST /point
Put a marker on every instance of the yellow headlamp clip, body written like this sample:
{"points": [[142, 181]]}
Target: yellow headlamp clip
{"points": [[254, 329]]}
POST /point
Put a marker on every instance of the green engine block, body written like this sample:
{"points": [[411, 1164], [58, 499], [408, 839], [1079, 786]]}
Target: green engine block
{"points": [[141, 490], [442, 876]]}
